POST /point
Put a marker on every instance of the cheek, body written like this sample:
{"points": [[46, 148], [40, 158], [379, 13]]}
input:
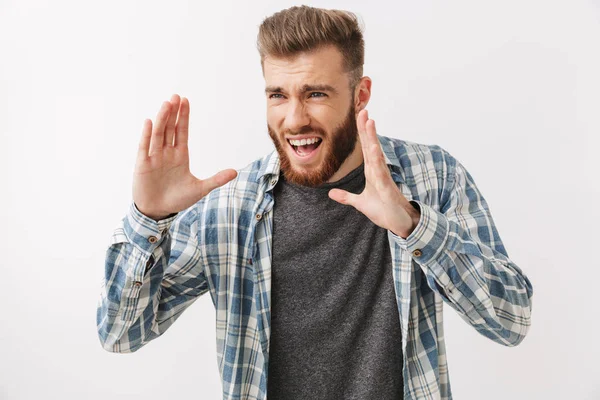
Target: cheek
{"points": [[325, 117], [275, 116]]}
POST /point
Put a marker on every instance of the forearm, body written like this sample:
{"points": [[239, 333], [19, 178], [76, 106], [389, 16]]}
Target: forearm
{"points": [[478, 281], [129, 309]]}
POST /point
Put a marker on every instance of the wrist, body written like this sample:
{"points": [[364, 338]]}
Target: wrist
{"points": [[414, 216], [155, 217]]}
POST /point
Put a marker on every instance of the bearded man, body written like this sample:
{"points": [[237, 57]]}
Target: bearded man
{"points": [[329, 259]]}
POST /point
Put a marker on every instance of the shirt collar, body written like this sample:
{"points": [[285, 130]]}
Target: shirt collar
{"points": [[271, 166]]}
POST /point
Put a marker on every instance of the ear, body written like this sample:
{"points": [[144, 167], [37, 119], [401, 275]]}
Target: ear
{"points": [[362, 93]]}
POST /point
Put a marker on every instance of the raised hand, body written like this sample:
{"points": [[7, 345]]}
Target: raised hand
{"points": [[162, 181], [381, 200]]}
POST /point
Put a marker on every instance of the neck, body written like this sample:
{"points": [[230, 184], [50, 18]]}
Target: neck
{"points": [[350, 163]]}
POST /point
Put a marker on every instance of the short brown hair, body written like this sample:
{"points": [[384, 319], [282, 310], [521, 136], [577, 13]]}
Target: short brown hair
{"points": [[303, 29]]}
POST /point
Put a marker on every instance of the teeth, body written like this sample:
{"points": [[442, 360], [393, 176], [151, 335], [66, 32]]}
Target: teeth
{"points": [[304, 141]]}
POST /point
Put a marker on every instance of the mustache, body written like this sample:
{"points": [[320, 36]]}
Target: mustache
{"points": [[302, 131]]}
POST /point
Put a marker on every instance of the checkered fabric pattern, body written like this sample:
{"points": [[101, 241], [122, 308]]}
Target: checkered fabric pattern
{"points": [[154, 270]]}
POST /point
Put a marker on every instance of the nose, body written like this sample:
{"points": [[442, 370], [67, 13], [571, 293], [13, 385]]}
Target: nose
{"points": [[297, 116]]}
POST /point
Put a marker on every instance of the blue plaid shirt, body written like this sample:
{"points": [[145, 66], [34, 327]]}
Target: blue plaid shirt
{"points": [[222, 245]]}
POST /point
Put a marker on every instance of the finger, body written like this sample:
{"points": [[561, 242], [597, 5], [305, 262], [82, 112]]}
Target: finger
{"points": [[378, 171], [158, 133], [361, 120], [183, 121], [370, 134], [170, 129], [376, 153], [217, 180], [343, 197], [144, 146]]}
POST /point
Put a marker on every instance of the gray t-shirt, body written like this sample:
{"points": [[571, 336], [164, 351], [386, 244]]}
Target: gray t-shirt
{"points": [[335, 327]]}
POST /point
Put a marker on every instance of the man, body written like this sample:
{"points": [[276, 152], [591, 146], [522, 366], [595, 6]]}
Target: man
{"points": [[328, 260]]}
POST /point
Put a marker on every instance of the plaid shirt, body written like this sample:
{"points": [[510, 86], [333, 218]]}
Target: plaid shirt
{"points": [[222, 245]]}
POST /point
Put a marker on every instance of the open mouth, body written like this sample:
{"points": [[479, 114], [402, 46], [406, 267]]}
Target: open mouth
{"points": [[305, 147]]}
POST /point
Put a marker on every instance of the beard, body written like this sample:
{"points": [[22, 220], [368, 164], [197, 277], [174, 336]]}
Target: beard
{"points": [[336, 146]]}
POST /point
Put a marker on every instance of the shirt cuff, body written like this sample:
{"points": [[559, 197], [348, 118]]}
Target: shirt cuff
{"points": [[144, 232], [428, 238]]}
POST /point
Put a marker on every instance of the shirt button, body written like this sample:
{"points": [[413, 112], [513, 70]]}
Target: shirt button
{"points": [[164, 231], [137, 283], [274, 181], [258, 216], [417, 253], [152, 239]]}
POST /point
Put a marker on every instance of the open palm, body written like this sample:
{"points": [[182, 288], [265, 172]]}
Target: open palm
{"points": [[381, 200], [162, 182]]}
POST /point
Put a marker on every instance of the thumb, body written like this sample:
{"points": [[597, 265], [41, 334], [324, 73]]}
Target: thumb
{"points": [[343, 197], [217, 180]]}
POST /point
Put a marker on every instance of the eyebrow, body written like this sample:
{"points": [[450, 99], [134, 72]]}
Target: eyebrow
{"points": [[305, 88]]}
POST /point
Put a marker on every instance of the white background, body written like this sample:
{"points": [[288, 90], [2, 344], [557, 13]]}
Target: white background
{"points": [[510, 88]]}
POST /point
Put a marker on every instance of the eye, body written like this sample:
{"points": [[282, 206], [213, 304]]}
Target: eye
{"points": [[319, 94], [274, 96]]}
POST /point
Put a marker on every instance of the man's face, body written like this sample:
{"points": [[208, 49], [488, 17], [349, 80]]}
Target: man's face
{"points": [[311, 116]]}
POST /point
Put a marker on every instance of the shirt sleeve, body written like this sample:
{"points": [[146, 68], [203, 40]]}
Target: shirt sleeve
{"points": [[152, 273], [462, 256]]}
